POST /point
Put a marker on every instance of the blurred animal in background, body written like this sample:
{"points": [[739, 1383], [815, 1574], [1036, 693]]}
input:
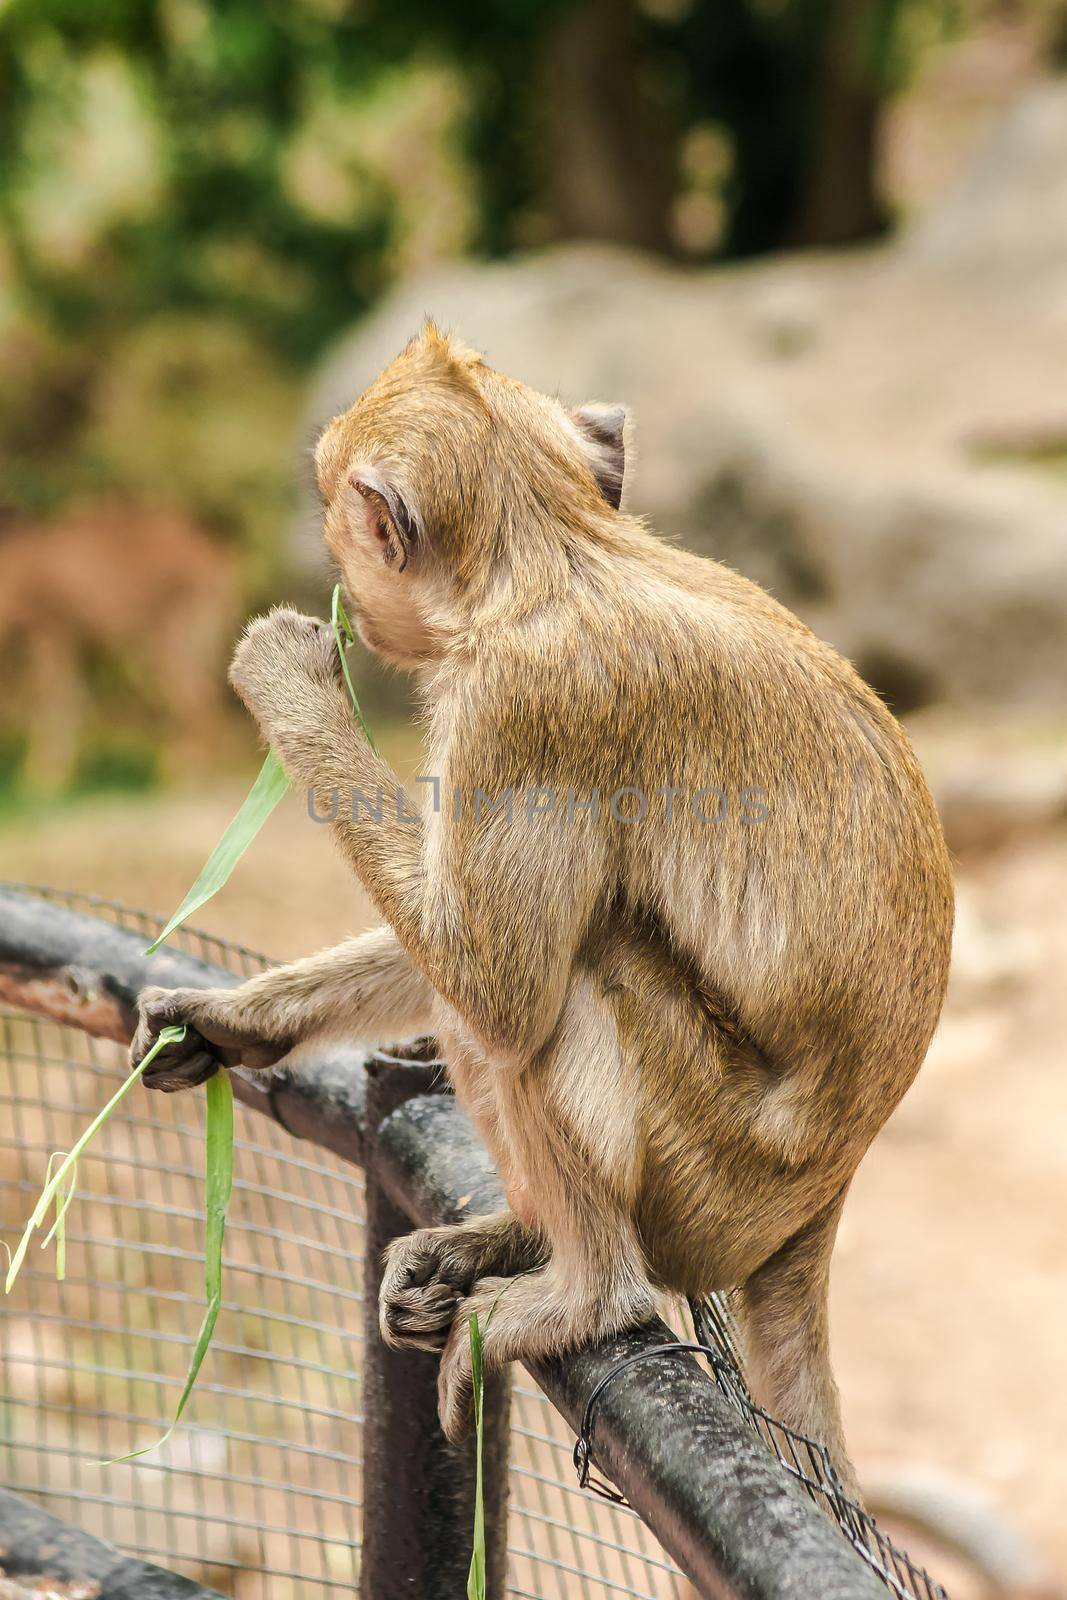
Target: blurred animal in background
{"points": [[119, 605]]}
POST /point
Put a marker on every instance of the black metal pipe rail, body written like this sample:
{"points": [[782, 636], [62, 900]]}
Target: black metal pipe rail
{"points": [[37, 1544], [706, 1486]]}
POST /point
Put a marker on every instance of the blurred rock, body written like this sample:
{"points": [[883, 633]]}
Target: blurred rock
{"points": [[982, 810], [1009, 215], [834, 426], [989, 958]]}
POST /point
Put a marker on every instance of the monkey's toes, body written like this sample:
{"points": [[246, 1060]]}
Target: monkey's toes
{"points": [[420, 1317], [455, 1389], [424, 1281]]}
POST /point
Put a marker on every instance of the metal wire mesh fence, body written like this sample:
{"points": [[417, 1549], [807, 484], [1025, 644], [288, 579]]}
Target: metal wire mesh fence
{"points": [[258, 1492], [808, 1462], [804, 1459]]}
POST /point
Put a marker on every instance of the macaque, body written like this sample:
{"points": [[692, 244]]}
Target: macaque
{"points": [[676, 1024]]}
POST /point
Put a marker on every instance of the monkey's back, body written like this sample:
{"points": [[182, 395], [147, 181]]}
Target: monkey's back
{"points": [[827, 921], [777, 950]]}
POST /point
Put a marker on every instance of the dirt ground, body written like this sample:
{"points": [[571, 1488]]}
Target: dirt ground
{"points": [[949, 1286]]}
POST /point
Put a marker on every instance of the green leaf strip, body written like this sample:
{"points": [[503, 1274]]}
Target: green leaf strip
{"points": [[219, 1183], [58, 1230], [344, 636], [476, 1575], [261, 800], [55, 1180]]}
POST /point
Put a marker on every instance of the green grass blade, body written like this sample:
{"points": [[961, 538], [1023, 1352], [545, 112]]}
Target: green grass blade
{"points": [[58, 1230], [203, 1340], [219, 1161], [476, 1576], [219, 1169], [261, 800], [70, 1161], [344, 636]]}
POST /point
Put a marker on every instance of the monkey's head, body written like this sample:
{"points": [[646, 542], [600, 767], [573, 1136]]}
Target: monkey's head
{"points": [[447, 480]]}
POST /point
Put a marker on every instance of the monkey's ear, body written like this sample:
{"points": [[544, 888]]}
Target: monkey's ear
{"points": [[602, 429], [389, 517]]}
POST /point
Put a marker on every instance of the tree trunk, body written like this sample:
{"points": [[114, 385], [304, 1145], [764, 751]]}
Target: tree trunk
{"points": [[840, 200], [609, 167]]}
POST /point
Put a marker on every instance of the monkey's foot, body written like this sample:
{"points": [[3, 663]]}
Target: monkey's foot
{"points": [[427, 1276], [455, 1378]]}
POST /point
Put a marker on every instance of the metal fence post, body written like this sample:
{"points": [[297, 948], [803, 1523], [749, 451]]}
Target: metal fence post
{"points": [[418, 1491]]}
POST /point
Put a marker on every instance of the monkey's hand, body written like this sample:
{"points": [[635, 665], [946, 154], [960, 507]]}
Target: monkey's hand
{"points": [[287, 671], [215, 1035]]}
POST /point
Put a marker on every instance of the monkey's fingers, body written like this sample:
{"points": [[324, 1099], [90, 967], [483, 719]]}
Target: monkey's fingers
{"points": [[277, 654], [183, 1074], [158, 1009], [182, 1064]]}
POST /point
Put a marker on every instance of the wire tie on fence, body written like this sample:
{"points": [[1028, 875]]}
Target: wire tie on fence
{"points": [[583, 1444], [821, 1479]]}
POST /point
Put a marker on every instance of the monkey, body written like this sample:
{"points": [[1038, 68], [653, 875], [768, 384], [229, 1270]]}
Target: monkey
{"points": [[676, 1030]]}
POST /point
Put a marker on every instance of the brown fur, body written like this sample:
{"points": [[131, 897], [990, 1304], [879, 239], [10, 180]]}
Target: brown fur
{"points": [[676, 1037]]}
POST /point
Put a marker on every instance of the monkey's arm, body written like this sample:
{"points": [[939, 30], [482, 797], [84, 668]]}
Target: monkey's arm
{"points": [[489, 905], [366, 987], [287, 671]]}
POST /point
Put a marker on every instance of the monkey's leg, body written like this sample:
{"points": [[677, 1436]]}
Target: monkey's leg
{"points": [[365, 987], [590, 1287], [429, 1273], [595, 1281], [785, 1315]]}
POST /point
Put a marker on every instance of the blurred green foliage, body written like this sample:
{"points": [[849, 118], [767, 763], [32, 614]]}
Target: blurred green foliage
{"points": [[178, 120], [222, 156], [110, 764], [196, 196]]}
